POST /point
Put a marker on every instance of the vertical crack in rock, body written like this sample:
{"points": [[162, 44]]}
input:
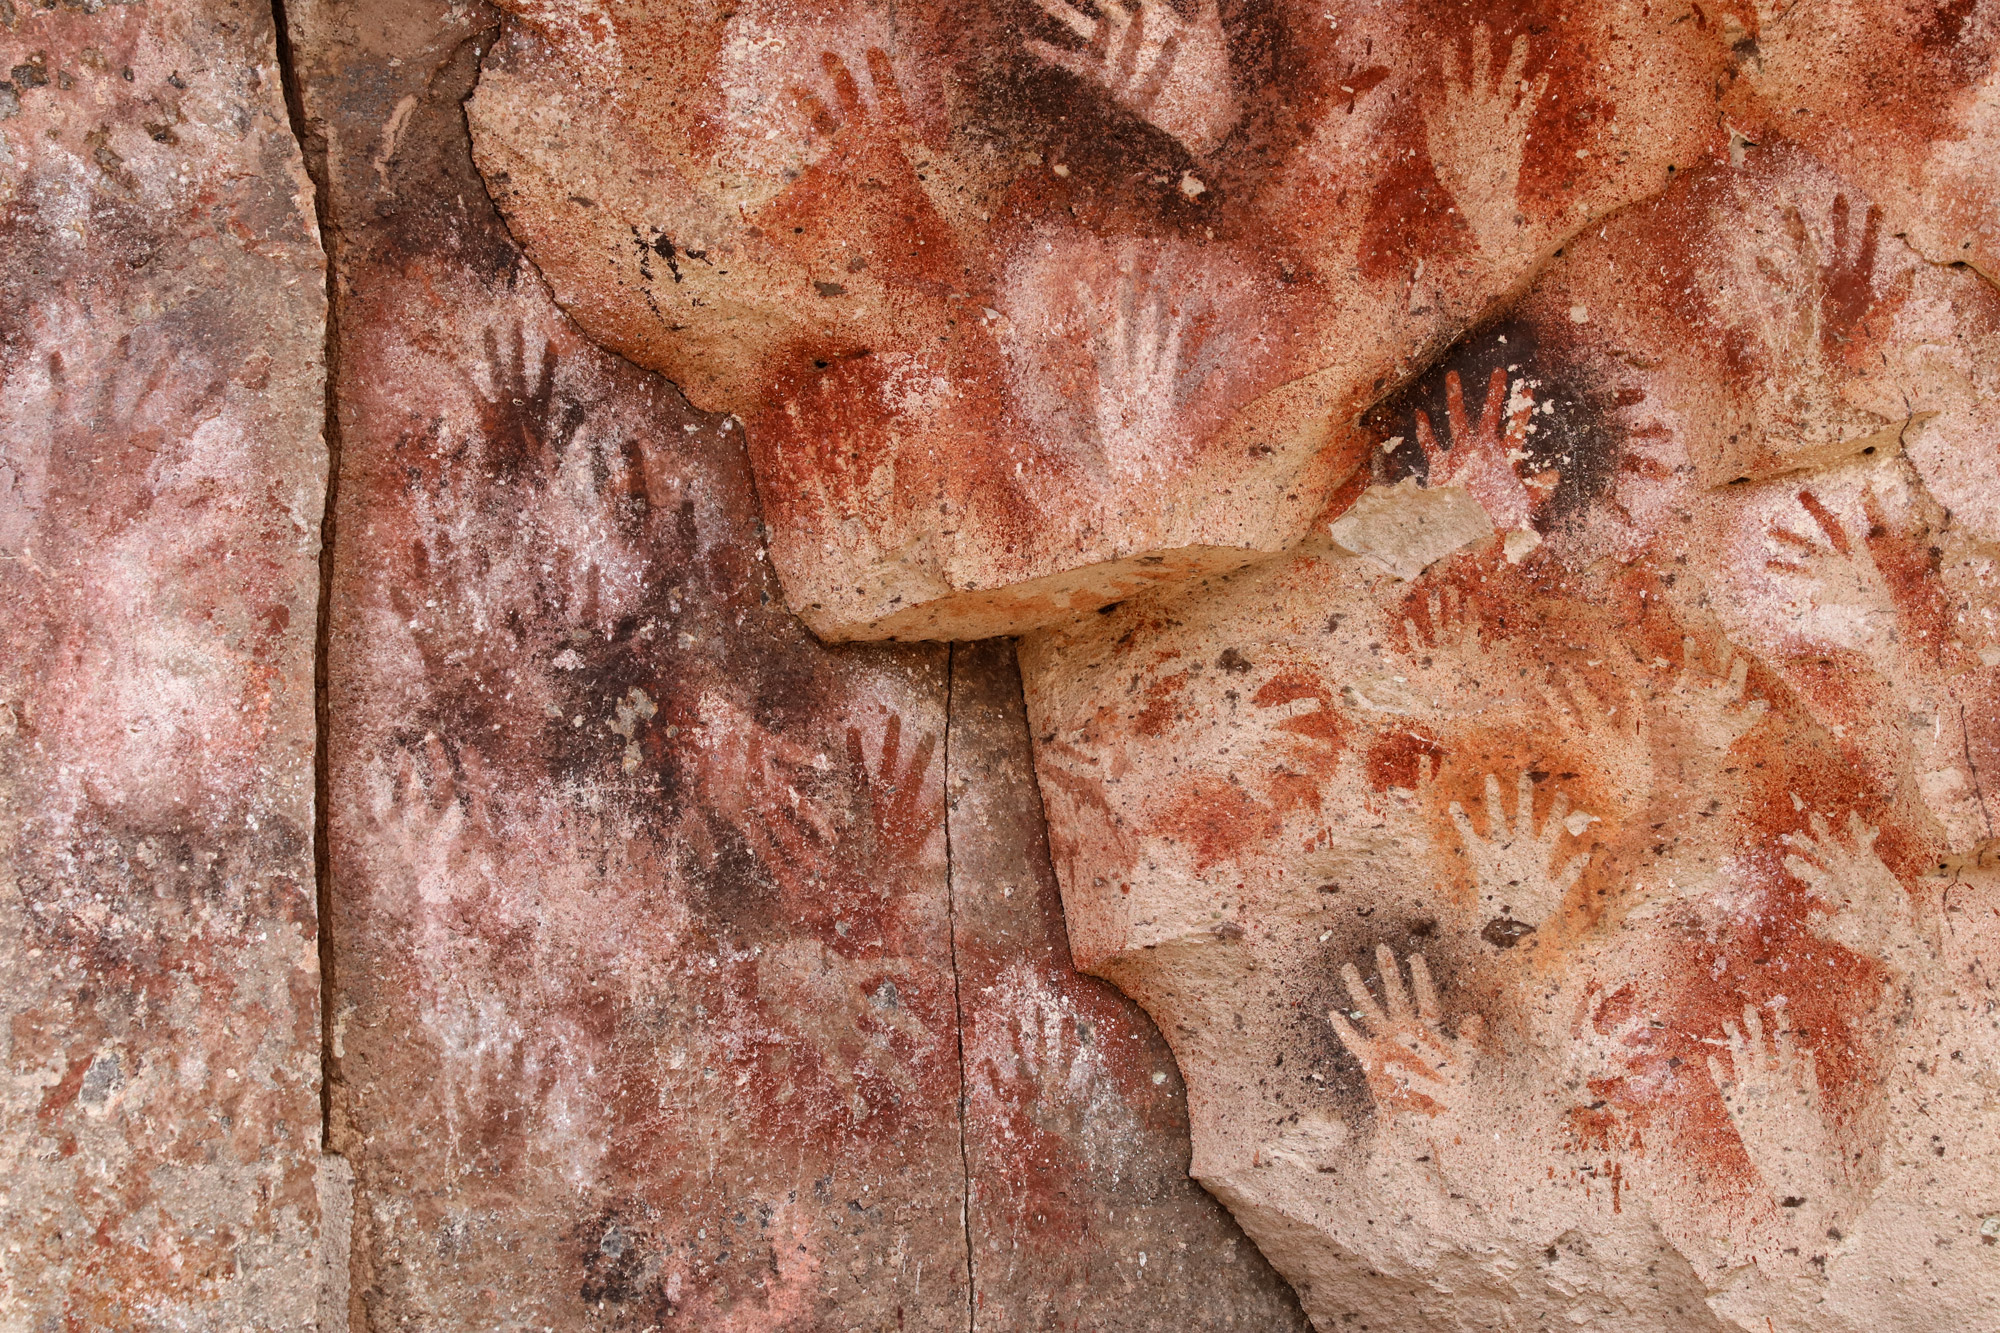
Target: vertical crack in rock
{"points": [[335, 1176], [1076, 1130], [313, 148], [957, 995]]}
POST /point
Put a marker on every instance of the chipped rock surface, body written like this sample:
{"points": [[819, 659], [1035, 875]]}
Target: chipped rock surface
{"points": [[1595, 927], [161, 397], [642, 1007], [1023, 315]]}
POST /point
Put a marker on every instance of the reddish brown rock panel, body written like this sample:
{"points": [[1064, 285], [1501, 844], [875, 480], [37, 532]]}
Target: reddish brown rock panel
{"points": [[643, 1010], [1903, 97], [161, 326], [1082, 1213]]}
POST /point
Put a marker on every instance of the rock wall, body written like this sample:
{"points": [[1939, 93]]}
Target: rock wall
{"points": [[1598, 928], [161, 476], [668, 987], [1500, 508]]}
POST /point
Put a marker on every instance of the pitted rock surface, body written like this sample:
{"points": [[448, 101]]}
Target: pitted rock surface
{"points": [[1489, 820], [669, 990]]}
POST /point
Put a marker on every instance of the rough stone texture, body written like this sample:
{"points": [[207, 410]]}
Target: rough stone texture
{"points": [[1505, 497], [1587, 916], [1020, 324], [1082, 1212], [644, 1004], [161, 307], [1901, 96]]}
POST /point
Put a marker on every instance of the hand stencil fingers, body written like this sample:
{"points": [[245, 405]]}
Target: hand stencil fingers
{"points": [[1070, 17], [1167, 364], [1356, 1044], [1739, 1055], [1524, 807], [1454, 404], [1552, 828], [1426, 989], [1517, 62], [1357, 991], [845, 90], [1690, 657], [814, 108], [1815, 844], [1126, 62], [1496, 814], [1753, 1023], [1143, 345], [1786, 537], [407, 786], [1061, 58], [1827, 522], [1535, 92], [892, 744], [491, 341], [443, 779], [1392, 983], [1463, 823], [1434, 456], [1482, 59], [1810, 875], [1496, 402], [888, 92]]}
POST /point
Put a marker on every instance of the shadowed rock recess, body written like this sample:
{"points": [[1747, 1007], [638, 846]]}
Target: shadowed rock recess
{"points": [[1000, 665]]}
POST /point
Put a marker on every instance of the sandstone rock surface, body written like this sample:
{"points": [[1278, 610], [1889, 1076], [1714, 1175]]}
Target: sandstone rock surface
{"points": [[1503, 504], [1902, 98], [1026, 308], [1593, 927], [643, 1006], [650, 1004], [161, 466]]}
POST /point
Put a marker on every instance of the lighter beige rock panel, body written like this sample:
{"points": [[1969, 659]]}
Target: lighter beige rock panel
{"points": [[1020, 324], [1581, 921]]}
